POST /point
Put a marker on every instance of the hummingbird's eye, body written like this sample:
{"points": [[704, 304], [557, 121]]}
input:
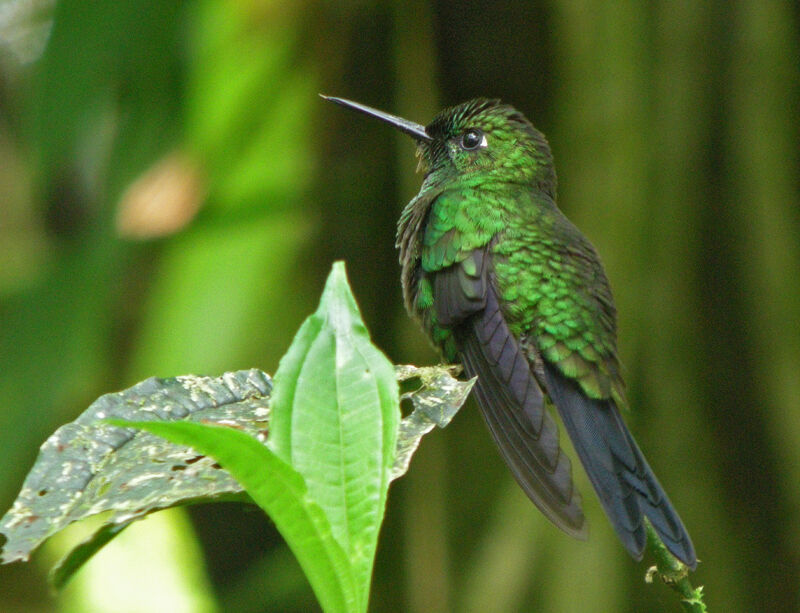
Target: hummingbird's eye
{"points": [[473, 139]]}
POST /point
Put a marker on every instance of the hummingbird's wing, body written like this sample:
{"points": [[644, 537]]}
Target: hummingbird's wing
{"points": [[572, 328], [508, 394]]}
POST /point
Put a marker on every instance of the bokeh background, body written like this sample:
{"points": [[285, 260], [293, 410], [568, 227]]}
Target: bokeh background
{"points": [[173, 193]]}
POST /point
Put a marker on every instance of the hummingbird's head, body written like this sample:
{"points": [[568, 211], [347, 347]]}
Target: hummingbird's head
{"points": [[488, 139], [482, 139]]}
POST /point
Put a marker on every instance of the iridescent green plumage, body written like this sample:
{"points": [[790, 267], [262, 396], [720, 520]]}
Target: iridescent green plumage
{"points": [[504, 283]]}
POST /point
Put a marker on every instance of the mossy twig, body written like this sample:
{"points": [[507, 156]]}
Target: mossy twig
{"points": [[673, 573]]}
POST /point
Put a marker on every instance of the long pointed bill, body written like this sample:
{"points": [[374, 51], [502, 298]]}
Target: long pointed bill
{"points": [[404, 125]]}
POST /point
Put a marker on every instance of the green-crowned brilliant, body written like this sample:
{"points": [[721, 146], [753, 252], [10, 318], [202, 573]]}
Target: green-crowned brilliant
{"points": [[505, 284]]}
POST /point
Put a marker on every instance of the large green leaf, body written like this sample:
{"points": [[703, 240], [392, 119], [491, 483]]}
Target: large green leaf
{"points": [[335, 413]]}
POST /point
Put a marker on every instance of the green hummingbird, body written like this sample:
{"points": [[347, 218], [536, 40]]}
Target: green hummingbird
{"points": [[505, 284]]}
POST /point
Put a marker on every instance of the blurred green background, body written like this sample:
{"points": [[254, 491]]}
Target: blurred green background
{"points": [[173, 193]]}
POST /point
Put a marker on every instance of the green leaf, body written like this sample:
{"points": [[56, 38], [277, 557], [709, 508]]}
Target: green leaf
{"points": [[280, 490], [86, 467], [335, 413]]}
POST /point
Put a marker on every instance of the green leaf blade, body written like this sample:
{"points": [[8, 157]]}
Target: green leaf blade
{"points": [[282, 493], [335, 416]]}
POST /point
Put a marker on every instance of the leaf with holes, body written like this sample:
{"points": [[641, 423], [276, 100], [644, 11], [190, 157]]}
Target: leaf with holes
{"points": [[86, 468]]}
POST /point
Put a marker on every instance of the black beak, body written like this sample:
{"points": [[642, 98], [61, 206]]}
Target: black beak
{"points": [[404, 125]]}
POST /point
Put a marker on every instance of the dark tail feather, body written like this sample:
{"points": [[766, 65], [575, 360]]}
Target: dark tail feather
{"points": [[627, 487], [513, 406]]}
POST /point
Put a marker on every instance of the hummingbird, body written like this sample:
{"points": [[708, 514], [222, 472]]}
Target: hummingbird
{"points": [[505, 284]]}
